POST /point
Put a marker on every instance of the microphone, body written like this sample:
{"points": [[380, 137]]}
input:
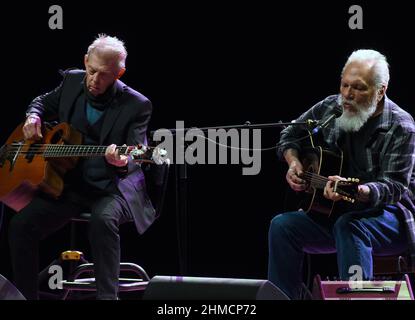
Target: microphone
{"points": [[324, 123]]}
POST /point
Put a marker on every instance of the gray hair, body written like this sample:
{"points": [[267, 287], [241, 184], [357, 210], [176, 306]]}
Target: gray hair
{"points": [[378, 63], [105, 43]]}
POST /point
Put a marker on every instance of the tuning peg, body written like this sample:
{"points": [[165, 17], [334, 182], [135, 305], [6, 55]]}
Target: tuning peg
{"points": [[348, 199], [159, 156]]}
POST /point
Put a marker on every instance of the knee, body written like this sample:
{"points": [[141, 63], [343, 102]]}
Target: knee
{"points": [[347, 225], [281, 224], [102, 222]]}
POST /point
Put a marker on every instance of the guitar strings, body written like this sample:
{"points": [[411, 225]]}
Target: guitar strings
{"points": [[16, 146], [315, 178], [34, 146], [37, 149], [62, 150]]}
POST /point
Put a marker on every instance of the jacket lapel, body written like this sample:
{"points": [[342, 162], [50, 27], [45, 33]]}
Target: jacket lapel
{"points": [[68, 102]]}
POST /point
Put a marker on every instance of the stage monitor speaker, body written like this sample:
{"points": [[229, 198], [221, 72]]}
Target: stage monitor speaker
{"points": [[201, 288], [9, 291], [362, 290]]}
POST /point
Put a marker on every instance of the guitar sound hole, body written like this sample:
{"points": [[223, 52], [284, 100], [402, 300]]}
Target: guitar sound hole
{"points": [[57, 137]]}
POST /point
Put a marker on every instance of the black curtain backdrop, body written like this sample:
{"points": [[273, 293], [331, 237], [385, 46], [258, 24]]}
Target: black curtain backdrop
{"points": [[208, 64]]}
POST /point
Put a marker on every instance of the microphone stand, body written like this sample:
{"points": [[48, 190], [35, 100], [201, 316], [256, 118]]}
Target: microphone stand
{"points": [[181, 178]]}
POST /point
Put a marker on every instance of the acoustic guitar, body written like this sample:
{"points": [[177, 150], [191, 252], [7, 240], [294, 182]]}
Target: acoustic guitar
{"points": [[318, 164], [28, 166]]}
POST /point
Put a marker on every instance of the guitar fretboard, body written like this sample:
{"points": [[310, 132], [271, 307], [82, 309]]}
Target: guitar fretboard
{"points": [[315, 180], [58, 151]]}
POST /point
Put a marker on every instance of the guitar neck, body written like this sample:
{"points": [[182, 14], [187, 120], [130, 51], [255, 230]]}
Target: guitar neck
{"points": [[59, 151], [139, 153], [347, 188], [315, 180]]}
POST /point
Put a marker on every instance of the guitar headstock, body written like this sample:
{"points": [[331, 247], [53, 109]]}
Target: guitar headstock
{"points": [[348, 189], [141, 153], [159, 156]]}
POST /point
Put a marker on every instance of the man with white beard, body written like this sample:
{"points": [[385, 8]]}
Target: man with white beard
{"points": [[377, 139]]}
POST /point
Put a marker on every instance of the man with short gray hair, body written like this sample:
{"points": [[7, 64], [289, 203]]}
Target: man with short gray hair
{"points": [[107, 112]]}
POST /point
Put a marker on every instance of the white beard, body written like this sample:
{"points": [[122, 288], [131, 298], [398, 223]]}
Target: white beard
{"points": [[351, 122]]}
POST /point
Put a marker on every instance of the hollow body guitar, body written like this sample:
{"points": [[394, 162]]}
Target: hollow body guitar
{"points": [[318, 164], [27, 167]]}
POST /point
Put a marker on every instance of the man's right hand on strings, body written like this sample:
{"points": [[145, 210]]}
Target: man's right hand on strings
{"points": [[294, 173], [295, 170], [32, 128]]}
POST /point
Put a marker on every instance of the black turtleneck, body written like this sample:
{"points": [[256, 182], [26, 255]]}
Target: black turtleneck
{"points": [[101, 101]]}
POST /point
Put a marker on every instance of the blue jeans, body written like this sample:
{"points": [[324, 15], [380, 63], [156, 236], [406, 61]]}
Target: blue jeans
{"points": [[354, 235]]}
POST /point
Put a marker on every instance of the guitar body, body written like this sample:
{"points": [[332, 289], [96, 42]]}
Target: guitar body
{"points": [[23, 173], [323, 163]]}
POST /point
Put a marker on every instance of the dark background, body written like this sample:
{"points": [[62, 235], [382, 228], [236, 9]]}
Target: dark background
{"points": [[208, 64]]}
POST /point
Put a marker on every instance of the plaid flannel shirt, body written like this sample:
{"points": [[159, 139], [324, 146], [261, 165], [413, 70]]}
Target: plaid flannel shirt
{"points": [[390, 156]]}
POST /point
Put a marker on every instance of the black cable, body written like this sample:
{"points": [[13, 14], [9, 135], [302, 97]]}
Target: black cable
{"points": [[277, 145]]}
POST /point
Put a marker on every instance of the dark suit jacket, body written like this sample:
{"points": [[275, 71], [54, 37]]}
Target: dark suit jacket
{"points": [[125, 121]]}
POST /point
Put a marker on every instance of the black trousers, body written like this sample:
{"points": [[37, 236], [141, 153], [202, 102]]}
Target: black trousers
{"points": [[44, 216]]}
